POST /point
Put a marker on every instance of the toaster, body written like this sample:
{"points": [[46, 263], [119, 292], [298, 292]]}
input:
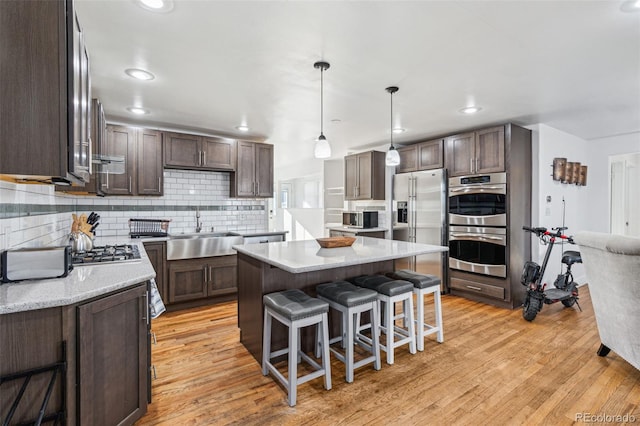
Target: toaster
{"points": [[35, 263]]}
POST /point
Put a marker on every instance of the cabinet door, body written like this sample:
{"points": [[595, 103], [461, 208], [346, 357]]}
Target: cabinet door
{"points": [[245, 179], [490, 150], [430, 155], [264, 170], [408, 159], [218, 153], [350, 177], [365, 176], [149, 164], [187, 280], [222, 276], [113, 363], [98, 135], [182, 151], [157, 255], [121, 141], [460, 157]]}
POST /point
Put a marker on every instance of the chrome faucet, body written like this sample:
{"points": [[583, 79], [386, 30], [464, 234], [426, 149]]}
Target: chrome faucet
{"points": [[198, 223]]}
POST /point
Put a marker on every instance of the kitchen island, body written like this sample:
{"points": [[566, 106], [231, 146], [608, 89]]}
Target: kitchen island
{"points": [[265, 268]]}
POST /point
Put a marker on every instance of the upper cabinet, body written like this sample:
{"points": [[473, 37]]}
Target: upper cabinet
{"points": [[254, 173], [46, 92], [98, 139], [142, 150], [184, 151], [481, 151], [364, 176], [421, 156]]}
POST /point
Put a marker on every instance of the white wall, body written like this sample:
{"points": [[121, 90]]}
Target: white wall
{"points": [[586, 208]]}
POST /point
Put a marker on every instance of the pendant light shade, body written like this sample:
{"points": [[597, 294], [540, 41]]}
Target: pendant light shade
{"points": [[322, 148], [392, 158]]}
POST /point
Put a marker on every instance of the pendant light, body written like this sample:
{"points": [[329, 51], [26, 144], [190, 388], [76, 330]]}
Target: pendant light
{"points": [[393, 158], [322, 148]]}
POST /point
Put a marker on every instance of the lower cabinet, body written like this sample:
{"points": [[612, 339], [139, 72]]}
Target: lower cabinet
{"points": [[157, 253], [107, 359], [113, 358], [202, 278]]}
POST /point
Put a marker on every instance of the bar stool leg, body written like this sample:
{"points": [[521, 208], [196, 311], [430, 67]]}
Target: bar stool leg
{"points": [[375, 334], [266, 342], [420, 320], [411, 326], [292, 383], [349, 345], [438, 307], [389, 326], [326, 362]]}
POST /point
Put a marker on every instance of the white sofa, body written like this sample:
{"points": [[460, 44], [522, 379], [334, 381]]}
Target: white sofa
{"points": [[612, 265]]}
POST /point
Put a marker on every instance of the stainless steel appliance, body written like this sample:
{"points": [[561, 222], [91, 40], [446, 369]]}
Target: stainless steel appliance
{"points": [[479, 250], [363, 219], [478, 224], [107, 254], [478, 200], [420, 216], [35, 263]]}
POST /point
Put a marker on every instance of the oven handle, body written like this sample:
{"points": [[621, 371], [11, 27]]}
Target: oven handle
{"points": [[477, 237], [501, 188]]}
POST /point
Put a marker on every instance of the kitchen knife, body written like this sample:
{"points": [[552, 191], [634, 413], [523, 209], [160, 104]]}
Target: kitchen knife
{"points": [[93, 228]]}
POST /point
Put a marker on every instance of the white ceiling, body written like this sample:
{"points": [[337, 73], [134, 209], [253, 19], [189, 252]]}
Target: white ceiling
{"points": [[574, 65]]}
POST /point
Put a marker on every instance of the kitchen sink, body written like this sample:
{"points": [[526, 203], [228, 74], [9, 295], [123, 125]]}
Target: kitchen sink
{"points": [[207, 244]]}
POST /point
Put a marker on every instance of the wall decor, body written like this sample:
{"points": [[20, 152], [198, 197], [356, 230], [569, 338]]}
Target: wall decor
{"points": [[572, 172]]}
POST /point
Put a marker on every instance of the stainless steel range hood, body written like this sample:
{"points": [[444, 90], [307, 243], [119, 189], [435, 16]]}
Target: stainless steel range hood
{"points": [[112, 164]]}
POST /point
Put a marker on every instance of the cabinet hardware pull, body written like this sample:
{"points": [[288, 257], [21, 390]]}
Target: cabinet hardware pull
{"points": [[257, 188], [159, 183], [474, 287], [145, 307], [153, 368], [471, 165], [153, 338], [476, 164], [130, 190], [204, 158]]}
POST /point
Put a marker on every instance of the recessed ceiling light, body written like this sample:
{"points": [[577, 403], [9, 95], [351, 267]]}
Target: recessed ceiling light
{"points": [[399, 130], [156, 5], [138, 110], [470, 110], [630, 6], [139, 74], [243, 128]]}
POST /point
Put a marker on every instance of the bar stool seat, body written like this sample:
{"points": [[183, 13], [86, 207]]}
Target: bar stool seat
{"points": [[295, 309], [424, 284], [389, 292], [351, 301]]}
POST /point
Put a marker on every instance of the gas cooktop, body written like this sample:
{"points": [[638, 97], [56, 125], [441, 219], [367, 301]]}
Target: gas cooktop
{"points": [[107, 254]]}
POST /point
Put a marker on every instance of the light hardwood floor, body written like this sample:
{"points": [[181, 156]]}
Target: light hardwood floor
{"points": [[493, 368]]}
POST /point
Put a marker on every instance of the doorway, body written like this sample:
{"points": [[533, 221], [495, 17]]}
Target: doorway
{"points": [[625, 197]]}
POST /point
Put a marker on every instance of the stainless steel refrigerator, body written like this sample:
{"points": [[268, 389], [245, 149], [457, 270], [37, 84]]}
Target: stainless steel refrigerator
{"points": [[420, 216]]}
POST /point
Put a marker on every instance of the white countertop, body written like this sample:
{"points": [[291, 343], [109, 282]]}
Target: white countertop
{"points": [[82, 283], [307, 256]]}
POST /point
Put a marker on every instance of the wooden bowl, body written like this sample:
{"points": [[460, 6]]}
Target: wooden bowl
{"points": [[333, 242]]}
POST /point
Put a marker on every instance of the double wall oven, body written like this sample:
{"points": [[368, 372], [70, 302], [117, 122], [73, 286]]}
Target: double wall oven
{"points": [[478, 224]]}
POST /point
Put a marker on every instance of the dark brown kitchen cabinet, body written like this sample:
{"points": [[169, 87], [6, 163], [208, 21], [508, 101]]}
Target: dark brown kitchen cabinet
{"points": [[46, 92], [364, 176], [184, 151], [142, 151], [476, 152], [113, 358], [201, 278], [157, 253], [254, 172], [421, 156]]}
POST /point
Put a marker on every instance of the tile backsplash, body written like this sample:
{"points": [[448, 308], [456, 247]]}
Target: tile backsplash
{"points": [[37, 215]]}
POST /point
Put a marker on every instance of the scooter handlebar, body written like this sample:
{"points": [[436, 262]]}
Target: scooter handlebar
{"points": [[538, 231]]}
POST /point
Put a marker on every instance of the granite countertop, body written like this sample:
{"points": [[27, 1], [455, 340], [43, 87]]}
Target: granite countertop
{"points": [[356, 230], [307, 256], [82, 283]]}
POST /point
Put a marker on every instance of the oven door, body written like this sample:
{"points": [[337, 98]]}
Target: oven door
{"points": [[478, 205], [478, 250]]}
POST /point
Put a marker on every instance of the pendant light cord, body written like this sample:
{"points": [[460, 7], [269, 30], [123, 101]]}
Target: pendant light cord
{"points": [[321, 101], [391, 121]]}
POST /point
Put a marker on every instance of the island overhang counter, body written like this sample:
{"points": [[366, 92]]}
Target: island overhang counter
{"points": [[266, 268]]}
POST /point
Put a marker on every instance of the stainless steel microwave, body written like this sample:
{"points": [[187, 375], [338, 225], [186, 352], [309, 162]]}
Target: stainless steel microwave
{"points": [[363, 219]]}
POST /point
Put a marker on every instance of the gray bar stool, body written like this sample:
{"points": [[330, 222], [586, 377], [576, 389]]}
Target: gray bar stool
{"points": [[351, 301], [389, 292], [424, 284], [295, 309]]}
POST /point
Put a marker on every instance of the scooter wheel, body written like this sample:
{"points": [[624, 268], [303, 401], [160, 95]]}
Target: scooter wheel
{"points": [[531, 308], [569, 302]]}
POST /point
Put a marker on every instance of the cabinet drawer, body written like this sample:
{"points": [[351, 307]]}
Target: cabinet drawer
{"points": [[478, 288], [263, 239]]}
